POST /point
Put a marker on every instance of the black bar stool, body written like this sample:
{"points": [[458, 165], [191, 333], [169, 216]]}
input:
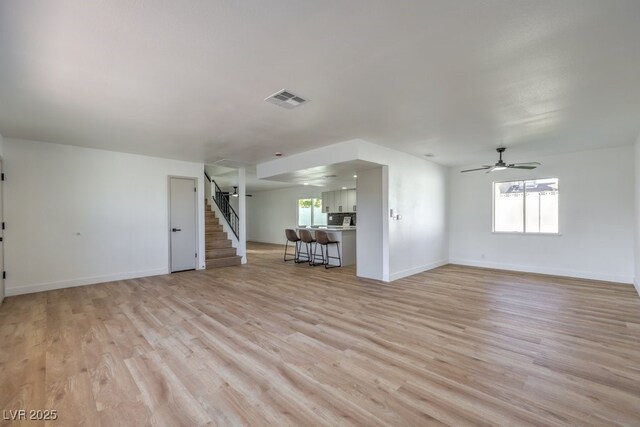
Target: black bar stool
{"points": [[322, 239], [293, 238], [308, 240]]}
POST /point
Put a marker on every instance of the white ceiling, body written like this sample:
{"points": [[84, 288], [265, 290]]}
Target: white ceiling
{"points": [[329, 177], [226, 178], [187, 79]]}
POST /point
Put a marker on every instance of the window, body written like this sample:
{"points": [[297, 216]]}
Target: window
{"points": [[526, 206], [310, 212]]}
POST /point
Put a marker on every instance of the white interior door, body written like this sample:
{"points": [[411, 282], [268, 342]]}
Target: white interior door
{"points": [[183, 223]]}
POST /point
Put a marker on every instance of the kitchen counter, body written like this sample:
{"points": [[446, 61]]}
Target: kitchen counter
{"points": [[333, 227], [347, 238]]}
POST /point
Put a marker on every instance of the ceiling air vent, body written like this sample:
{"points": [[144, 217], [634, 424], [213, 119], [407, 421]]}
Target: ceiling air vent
{"points": [[285, 99]]}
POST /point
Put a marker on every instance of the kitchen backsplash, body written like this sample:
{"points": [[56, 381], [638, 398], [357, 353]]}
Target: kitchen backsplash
{"points": [[338, 217]]}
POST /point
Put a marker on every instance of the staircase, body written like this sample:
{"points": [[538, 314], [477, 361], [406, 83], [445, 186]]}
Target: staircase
{"points": [[218, 247]]}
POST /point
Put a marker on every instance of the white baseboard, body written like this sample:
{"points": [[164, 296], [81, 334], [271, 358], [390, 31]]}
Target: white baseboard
{"points": [[41, 287], [416, 270], [636, 284], [549, 271]]}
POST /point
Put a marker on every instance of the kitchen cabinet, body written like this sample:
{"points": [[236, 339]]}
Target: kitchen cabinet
{"points": [[346, 238], [339, 201], [342, 206], [351, 200], [328, 202]]}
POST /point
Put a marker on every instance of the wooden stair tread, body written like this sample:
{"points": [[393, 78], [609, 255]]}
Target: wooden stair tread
{"points": [[220, 252], [223, 261], [219, 249], [217, 244], [224, 257], [216, 235]]}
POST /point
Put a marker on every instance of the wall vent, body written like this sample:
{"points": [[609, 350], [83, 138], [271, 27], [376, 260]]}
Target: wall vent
{"points": [[285, 99]]}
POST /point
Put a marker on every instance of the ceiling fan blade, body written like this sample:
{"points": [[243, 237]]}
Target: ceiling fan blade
{"points": [[522, 166], [477, 169], [527, 163]]}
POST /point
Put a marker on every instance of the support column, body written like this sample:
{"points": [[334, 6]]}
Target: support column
{"points": [[242, 214]]}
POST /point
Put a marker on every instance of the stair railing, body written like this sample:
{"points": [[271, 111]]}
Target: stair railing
{"points": [[222, 201]]}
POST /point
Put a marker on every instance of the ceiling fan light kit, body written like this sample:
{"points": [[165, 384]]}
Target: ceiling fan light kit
{"points": [[501, 165], [235, 193]]}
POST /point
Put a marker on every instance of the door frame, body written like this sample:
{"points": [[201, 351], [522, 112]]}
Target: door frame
{"points": [[195, 203], [3, 285]]}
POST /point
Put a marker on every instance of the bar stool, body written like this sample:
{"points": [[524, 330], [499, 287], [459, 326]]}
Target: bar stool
{"points": [[308, 240], [293, 238], [322, 239]]}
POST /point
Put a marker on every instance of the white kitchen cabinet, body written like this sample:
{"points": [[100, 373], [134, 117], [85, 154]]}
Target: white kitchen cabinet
{"points": [[339, 201], [351, 200], [328, 202]]}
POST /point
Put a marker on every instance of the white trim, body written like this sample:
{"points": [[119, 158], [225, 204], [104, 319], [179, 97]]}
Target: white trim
{"points": [[3, 290], [522, 233], [197, 231], [636, 284], [41, 287], [386, 263], [242, 215], [547, 271], [416, 270]]}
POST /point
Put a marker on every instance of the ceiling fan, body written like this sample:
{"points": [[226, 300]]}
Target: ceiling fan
{"points": [[501, 165], [235, 193]]}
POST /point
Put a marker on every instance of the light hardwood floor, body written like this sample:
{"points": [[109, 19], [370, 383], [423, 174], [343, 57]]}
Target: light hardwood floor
{"points": [[277, 344]]}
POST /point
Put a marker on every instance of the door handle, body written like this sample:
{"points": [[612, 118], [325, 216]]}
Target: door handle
{"points": [[176, 229]]}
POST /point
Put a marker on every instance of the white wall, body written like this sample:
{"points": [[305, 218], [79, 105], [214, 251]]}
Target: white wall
{"points": [[372, 251], [596, 219], [78, 216], [419, 241], [637, 215], [269, 213], [2, 284]]}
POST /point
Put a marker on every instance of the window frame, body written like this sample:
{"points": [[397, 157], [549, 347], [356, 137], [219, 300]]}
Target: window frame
{"points": [[524, 209], [312, 216]]}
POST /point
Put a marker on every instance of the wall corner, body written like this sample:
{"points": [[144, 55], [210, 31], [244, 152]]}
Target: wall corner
{"points": [[636, 255]]}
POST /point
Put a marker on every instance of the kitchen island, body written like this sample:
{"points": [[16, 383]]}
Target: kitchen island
{"points": [[347, 238]]}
